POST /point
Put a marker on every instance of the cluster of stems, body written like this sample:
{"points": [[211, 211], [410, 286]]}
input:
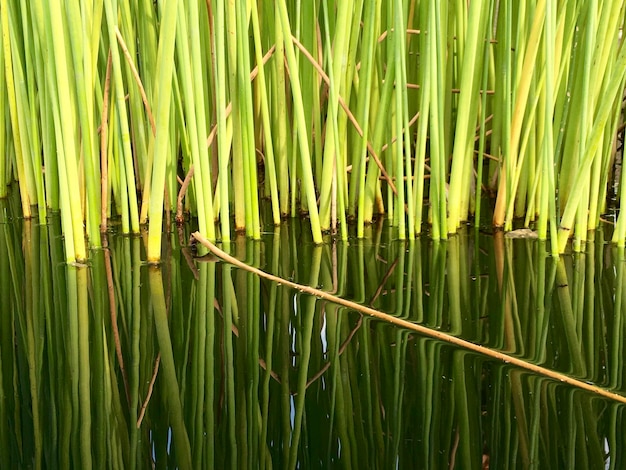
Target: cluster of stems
{"points": [[341, 110]]}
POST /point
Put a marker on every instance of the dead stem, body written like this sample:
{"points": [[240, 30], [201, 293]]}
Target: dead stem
{"points": [[423, 330], [113, 311], [150, 389]]}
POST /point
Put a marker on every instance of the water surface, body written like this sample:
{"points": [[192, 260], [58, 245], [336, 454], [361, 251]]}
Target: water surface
{"points": [[197, 364]]}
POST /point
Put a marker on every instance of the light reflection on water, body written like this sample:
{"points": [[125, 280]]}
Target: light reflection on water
{"points": [[252, 374]]}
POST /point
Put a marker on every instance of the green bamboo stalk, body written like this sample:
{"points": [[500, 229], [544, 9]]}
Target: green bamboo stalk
{"points": [[279, 108], [526, 162], [391, 209], [523, 86], [293, 159], [239, 147], [504, 113], [483, 122], [76, 446], [348, 80], [605, 48], [171, 386], [140, 121], [373, 198], [147, 50], [31, 329], [254, 312], [567, 141], [229, 351], [424, 77], [209, 416], [48, 150], [198, 358], [7, 290], [4, 160], [269, 350], [84, 82], [461, 169], [616, 350], [335, 164], [333, 328], [270, 164], [437, 155], [12, 99], [547, 210], [253, 229], [189, 65], [336, 65], [130, 216], [59, 82], [585, 122], [398, 364], [52, 104], [84, 368], [27, 72], [308, 310], [133, 307], [402, 146], [220, 102], [307, 176], [305, 16], [600, 178], [161, 141], [593, 142], [349, 408]]}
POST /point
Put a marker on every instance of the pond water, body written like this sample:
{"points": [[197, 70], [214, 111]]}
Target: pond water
{"points": [[198, 364]]}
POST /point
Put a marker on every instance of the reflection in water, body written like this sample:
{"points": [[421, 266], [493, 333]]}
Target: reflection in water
{"points": [[196, 364]]}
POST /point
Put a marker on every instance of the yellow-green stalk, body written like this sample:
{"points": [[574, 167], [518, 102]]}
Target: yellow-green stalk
{"points": [[307, 173], [165, 67], [270, 165], [123, 151], [11, 92]]}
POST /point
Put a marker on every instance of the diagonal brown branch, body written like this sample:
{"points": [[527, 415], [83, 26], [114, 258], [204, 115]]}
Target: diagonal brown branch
{"points": [[448, 338], [142, 413], [113, 312], [351, 117]]}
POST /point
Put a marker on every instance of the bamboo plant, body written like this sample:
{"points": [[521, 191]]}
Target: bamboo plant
{"points": [[340, 111]]}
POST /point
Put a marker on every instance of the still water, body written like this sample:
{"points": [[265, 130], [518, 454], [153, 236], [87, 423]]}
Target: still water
{"points": [[197, 364]]}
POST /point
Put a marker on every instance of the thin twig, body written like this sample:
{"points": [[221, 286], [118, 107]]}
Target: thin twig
{"points": [[384, 280], [229, 106], [137, 78], [340, 352], [181, 194], [346, 109], [113, 313], [150, 389]]}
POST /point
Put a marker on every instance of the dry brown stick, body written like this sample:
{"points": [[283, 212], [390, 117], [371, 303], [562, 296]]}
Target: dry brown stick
{"points": [[137, 78], [229, 106], [346, 109], [342, 348], [387, 275], [448, 338], [395, 139], [181, 194], [274, 374], [113, 312], [150, 389], [326, 366]]}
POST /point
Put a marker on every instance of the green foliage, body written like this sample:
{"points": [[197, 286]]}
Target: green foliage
{"points": [[340, 110]]}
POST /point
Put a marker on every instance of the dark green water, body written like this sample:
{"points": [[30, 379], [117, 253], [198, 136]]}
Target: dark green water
{"points": [[222, 369]]}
